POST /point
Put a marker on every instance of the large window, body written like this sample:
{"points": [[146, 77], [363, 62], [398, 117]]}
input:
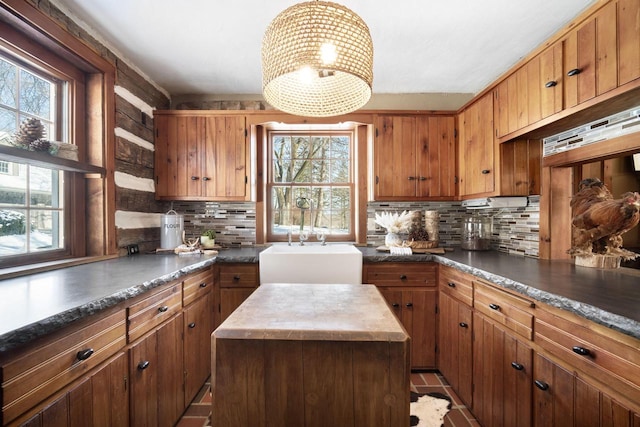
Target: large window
{"points": [[311, 185], [33, 199]]}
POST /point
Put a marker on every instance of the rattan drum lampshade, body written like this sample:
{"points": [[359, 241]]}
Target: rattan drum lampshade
{"points": [[317, 60]]}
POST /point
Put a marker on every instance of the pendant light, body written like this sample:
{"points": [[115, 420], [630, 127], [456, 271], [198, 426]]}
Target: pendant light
{"points": [[317, 60]]}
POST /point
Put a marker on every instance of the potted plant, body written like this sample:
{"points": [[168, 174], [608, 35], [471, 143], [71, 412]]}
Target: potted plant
{"points": [[208, 238]]}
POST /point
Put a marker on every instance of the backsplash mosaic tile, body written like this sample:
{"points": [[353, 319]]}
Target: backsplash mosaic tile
{"points": [[515, 231]]}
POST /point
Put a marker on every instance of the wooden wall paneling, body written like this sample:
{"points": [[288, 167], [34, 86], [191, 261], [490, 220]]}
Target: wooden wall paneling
{"points": [[606, 49], [285, 401], [328, 384], [628, 41]]}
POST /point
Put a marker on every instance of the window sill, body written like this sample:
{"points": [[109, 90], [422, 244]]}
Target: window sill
{"points": [[44, 160], [24, 270]]}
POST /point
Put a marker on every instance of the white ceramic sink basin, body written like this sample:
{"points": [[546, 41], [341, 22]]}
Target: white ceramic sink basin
{"points": [[333, 263]]}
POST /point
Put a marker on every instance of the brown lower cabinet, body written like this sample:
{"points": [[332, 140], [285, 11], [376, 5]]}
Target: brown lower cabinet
{"points": [[237, 281]]}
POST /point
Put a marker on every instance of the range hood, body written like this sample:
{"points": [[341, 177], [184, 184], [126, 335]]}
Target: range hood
{"points": [[495, 203]]}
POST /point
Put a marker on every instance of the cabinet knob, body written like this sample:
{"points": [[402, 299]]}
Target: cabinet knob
{"points": [[494, 306], [517, 366], [395, 305], [195, 178], [203, 284], [581, 351], [463, 325], [84, 354], [409, 304], [550, 84], [485, 171], [143, 365], [403, 277], [541, 385], [192, 325], [206, 178], [451, 285], [411, 178], [163, 308], [236, 278], [574, 72]]}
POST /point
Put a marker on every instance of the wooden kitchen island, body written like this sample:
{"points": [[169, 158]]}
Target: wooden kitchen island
{"points": [[311, 355]]}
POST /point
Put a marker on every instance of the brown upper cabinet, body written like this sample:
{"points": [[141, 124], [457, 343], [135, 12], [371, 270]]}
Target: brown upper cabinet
{"points": [[476, 148], [594, 58], [414, 157], [201, 156]]}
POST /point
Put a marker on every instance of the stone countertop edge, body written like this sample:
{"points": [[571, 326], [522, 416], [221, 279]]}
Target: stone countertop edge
{"points": [[29, 332], [611, 320]]}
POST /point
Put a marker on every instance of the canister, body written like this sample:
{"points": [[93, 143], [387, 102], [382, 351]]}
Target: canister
{"points": [[476, 233], [171, 226]]}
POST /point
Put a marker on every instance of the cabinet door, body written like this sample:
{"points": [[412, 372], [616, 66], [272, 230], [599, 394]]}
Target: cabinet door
{"points": [[225, 162], [455, 345], [179, 145], [100, 399], [628, 41], [419, 317], [395, 157], [591, 60], [435, 157], [197, 346], [502, 376], [550, 84], [476, 165], [231, 298], [156, 370]]}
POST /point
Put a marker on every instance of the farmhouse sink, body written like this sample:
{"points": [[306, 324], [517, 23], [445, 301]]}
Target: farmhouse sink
{"points": [[333, 263]]}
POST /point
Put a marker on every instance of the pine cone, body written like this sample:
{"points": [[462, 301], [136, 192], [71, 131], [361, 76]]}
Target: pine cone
{"points": [[31, 130], [40, 145]]}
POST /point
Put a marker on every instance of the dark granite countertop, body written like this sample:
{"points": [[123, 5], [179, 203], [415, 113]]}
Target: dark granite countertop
{"points": [[34, 305]]}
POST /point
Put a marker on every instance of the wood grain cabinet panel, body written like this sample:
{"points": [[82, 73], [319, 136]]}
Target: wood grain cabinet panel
{"points": [[414, 157], [628, 41], [150, 312], [511, 311], [237, 281], [197, 329], [411, 292], [197, 285], [39, 372], [201, 156]]}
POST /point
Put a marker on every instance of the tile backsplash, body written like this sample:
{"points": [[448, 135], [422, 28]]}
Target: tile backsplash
{"points": [[515, 231]]}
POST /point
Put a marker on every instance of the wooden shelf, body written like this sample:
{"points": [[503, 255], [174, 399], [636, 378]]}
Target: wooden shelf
{"points": [[45, 160]]}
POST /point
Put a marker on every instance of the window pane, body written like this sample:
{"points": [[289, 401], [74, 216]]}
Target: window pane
{"points": [[301, 171], [45, 230], [13, 185], [282, 147], [12, 232], [321, 147], [340, 147], [340, 171], [35, 95], [41, 184], [300, 147], [8, 86], [7, 126]]}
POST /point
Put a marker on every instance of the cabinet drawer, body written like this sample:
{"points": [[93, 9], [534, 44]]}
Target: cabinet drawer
{"points": [[196, 285], [456, 284], [239, 275], [400, 274], [593, 349], [145, 315], [509, 310], [33, 376]]}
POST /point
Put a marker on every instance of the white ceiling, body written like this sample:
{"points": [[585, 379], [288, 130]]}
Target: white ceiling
{"points": [[212, 47]]}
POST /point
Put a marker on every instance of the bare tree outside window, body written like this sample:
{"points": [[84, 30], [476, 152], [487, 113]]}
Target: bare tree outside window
{"points": [[311, 183]]}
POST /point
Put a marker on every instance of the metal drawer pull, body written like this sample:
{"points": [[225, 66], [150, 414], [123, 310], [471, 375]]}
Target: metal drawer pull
{"points": [[550, 84], [195, 178], [163, 308], [403, 277], [517, 366], [203, 284], [581, 351], [451, 284], [541, 385], [192, 325], [84, 354], [574, 72], [494, 306], [236, 278], [411, 178], [206, 178], [485, 171], [463, 325], [395, 305], [143, 365], [409, 304]]}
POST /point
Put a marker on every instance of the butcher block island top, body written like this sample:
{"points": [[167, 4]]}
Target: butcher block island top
{"points": [[311, 355]]}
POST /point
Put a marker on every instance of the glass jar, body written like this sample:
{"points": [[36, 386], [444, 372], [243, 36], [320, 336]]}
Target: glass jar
{"points": [[476, 233]]}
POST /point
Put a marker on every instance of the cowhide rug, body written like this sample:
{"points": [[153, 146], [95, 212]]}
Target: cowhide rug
{"points": [[429, 409]]}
